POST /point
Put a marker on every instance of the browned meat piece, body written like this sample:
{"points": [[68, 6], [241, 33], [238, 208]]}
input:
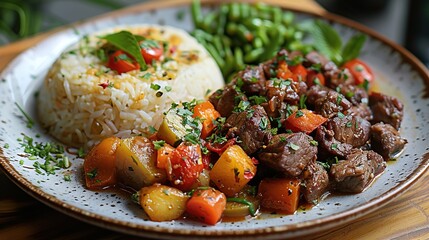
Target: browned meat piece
{"points": [[326, 102], [386, 109], [356, 95], [386, 140], [225, 100], [329, 146], [362, 110], [285, 90], [252, 127], [339, 77], [349, 129], [289, 153], [357, 172], [270, 66], [316, 182], [252, 79]]}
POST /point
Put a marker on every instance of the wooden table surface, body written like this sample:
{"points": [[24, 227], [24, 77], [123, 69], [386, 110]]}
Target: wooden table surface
{"points": [[22, 217]]}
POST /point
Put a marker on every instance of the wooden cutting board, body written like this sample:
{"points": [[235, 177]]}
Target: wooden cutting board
{"points": [[22, 217]]}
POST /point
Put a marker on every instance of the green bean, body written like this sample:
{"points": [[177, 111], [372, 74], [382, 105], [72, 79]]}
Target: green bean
{"points": [[238, 54], [217, 42], [202, 34], [256, 23], [244, 33], [288, 18], [257, 42], [212, 50], [234, 11], [262, 34], [231, 28], [208, 22], [222, 19], [244, 11], [277, 16], [254, 55], [247, 48], [196, 13]]}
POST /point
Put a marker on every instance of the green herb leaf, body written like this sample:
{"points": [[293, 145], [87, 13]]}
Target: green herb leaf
{"points": [[327, 40], [158, 144], [127, 42], [353, 47]]}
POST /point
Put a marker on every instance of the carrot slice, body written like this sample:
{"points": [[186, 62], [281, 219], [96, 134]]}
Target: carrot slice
{"points": [[99, 165], [208, 113], [162, 155], [206, 205], [279, 194]]}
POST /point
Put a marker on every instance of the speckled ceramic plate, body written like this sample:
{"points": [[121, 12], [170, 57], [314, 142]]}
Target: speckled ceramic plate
{"points": [[398, 73]]}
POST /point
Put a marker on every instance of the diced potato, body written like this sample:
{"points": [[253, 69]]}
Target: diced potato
{"points": [[172, 129], [163, 203], [233, 170], [136, 163]]}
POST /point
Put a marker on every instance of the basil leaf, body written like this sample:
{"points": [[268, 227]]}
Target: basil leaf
{"points": [[128, 43], [327, 40], [352, 48]]}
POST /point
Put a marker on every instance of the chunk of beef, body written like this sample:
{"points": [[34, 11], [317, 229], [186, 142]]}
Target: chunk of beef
{"points": [[350, 129], [315, 58], [285, 90], [328, 145], [289, 153], [386, 109], [357, 172], [339, 135], [278, 109], [362, 110], [386, 140], [252, 127], [252, 79], [326, 102], [271, 65], [316, 182], [356, 95], [339, 77], [225, 100]]}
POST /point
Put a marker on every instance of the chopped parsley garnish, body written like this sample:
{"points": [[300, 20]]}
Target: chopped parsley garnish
{"points": [[264, 123], [314, 142], [302, 100], [334, 146], [168, 88], [92, 174], [293, 146], [158, 144], [30, 121], [257, 100], [6, 145], [52, 154], [299, 113], [155, 87], [146, 76], [340, 115], [152, 130], [81, 152], [339, 99]]}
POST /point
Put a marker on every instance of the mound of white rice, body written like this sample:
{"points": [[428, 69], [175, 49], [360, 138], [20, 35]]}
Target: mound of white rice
{"points": [[82, 101]]}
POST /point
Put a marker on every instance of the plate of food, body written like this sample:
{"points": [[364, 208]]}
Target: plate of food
{"points": [[215, 120]]}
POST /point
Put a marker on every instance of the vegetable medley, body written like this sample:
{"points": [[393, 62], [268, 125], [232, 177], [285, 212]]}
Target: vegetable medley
{"points": [[284, 131]]}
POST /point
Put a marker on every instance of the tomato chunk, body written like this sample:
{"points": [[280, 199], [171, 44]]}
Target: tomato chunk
{"points": [[185, 165], [120, 62], [304, 120], [360, 71]]}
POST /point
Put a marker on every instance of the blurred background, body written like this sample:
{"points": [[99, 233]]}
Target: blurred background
{"points": [[402, 21]]}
